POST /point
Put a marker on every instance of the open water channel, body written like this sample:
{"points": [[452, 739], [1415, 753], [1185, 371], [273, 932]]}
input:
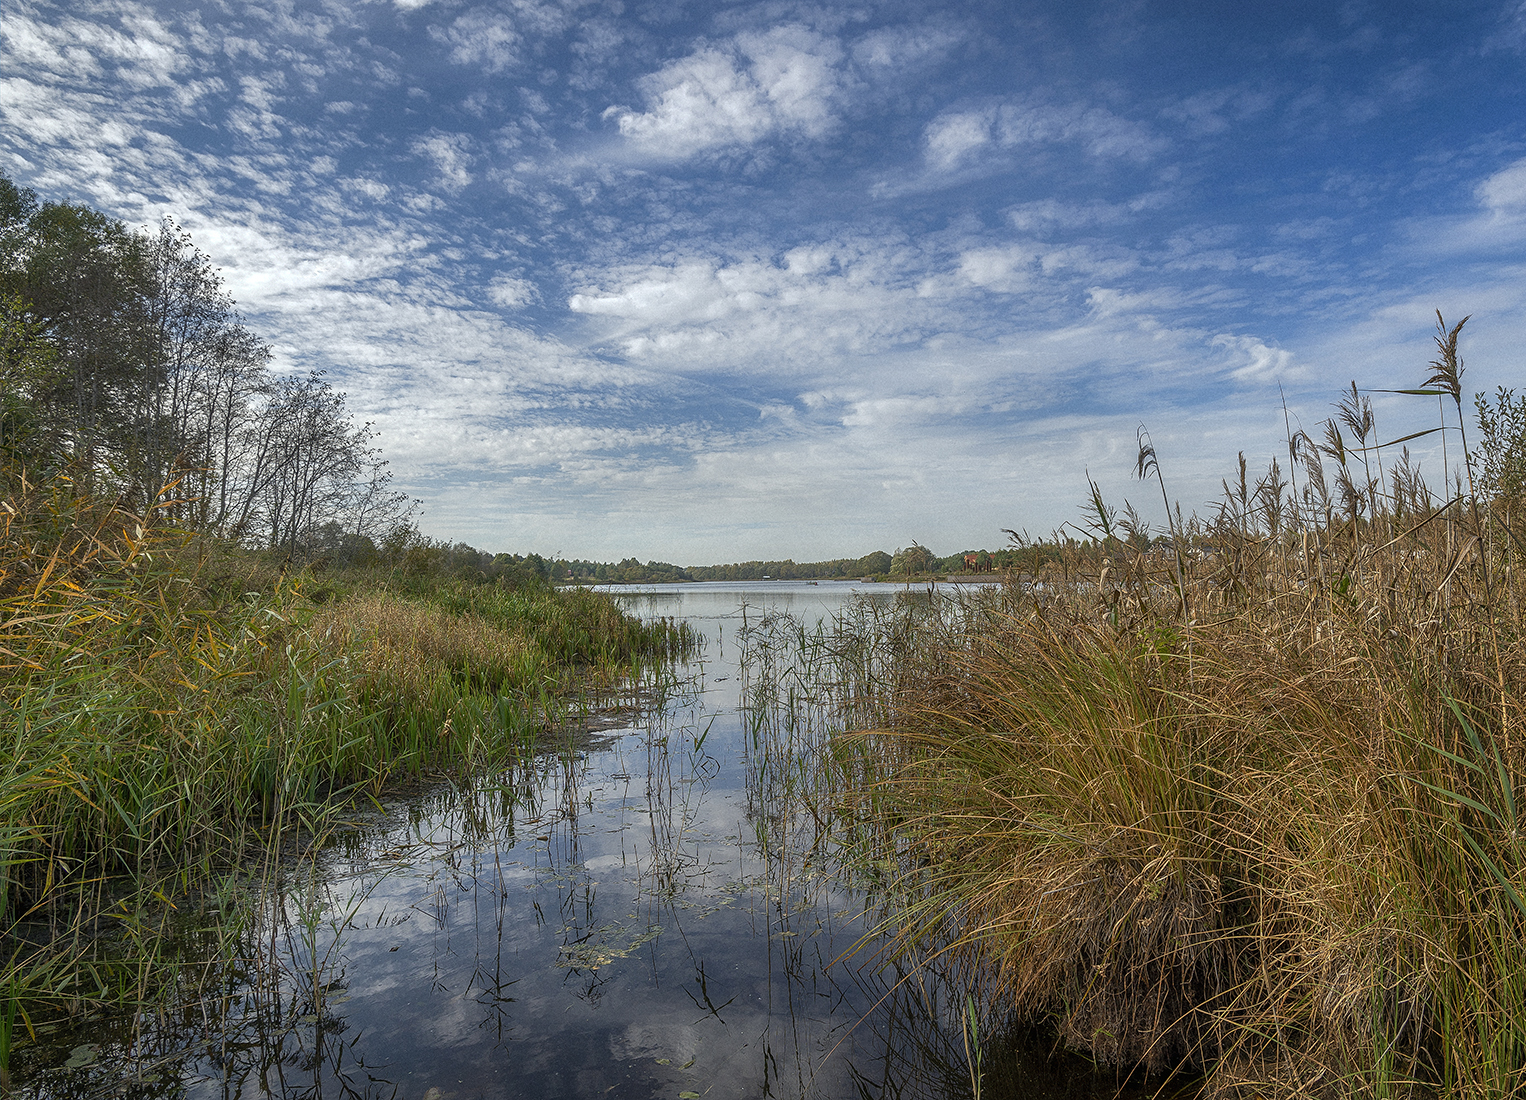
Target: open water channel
{"points": [[619, 917]]}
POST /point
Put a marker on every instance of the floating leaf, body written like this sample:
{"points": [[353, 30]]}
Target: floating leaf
{"points": [[615, 942], [82, 1055], [686, 1095]]}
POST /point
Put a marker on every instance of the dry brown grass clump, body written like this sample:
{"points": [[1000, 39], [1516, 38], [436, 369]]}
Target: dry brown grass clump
{"points": [[1276, 840], [1261, 860], [409, 647]]}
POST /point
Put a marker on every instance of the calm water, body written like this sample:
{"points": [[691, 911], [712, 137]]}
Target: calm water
{"points": [[623, 917], [604, 921]]}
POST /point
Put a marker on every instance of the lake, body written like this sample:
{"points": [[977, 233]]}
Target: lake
{"points": [[639, 911]]}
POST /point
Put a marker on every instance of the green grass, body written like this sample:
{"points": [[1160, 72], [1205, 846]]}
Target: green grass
{"points": [[171, 708]]}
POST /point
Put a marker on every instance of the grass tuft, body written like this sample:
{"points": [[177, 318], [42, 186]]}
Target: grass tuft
{"points": [[173, 710], [1244, 804]]}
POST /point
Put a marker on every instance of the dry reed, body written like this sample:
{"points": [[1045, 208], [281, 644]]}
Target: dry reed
{"points": [[1277, 844], [408, 646]]}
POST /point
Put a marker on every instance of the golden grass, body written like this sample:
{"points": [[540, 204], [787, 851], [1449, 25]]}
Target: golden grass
{"points": [[409, 646], [1280, 847]]}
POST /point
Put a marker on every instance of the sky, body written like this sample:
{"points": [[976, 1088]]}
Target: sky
{"points": [[704, 282]]}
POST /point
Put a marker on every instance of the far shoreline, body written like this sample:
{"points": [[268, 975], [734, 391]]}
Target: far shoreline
{"points": [[904, 581]]}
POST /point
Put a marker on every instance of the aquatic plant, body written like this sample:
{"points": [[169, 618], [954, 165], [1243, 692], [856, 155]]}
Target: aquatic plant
{"points": [[175, 708]]}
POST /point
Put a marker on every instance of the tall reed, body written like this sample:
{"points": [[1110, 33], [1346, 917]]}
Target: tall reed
{"points": [[171, 709], [1277, 843]]}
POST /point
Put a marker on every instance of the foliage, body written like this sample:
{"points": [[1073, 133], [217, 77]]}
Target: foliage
{"points": [[126, 361], [1501, 461], [1277, 842], [29, 370], [171, 702], [1502, 458], [913, 560], [878, 564]]}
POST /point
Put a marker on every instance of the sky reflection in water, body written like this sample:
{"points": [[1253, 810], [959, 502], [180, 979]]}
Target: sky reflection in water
{"points": [[621, 918]]}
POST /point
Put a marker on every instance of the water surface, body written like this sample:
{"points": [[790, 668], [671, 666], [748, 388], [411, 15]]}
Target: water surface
{"points": [[635, 912], [614, 917]]}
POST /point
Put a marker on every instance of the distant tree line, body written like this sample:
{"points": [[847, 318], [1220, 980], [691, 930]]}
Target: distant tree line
{"points": [[632, 571], [424, 557], [125, 366], [913, 561]]}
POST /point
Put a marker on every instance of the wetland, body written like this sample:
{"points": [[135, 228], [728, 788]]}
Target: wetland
{"points": [[644, 907]]}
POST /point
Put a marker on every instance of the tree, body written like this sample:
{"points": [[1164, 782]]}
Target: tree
{"points": [[191, 341], [234, 389], [82, 277], [916, 558], [374, 509], [312, 465], [311, 458], [28, 373], [17, 206], [1502, 457], [125, 359]]}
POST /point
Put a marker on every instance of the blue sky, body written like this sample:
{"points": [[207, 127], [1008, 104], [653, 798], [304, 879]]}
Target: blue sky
{"points": [[710, 281]]}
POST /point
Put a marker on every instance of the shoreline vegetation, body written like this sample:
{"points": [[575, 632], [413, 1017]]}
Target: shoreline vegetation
{"points": [[178, 710], [1245, 816], [220, 630], [914, 564]]}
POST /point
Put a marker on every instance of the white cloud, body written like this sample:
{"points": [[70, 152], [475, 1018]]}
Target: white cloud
{"points": [[1007, 269], [894, 50], [1504, 193], [894, 413], [795, 314], [268, 268], [1050, 214], [142, 53], [952, 137], [512, 293], [39, 48], [780, 82], [53, 121], [451, 156], [480, 37], [737, 315], [1257, 361], [1218, 110]]}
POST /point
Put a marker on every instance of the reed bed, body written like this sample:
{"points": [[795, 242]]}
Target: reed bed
{"points": [[1244, 805], [175, 711]]}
